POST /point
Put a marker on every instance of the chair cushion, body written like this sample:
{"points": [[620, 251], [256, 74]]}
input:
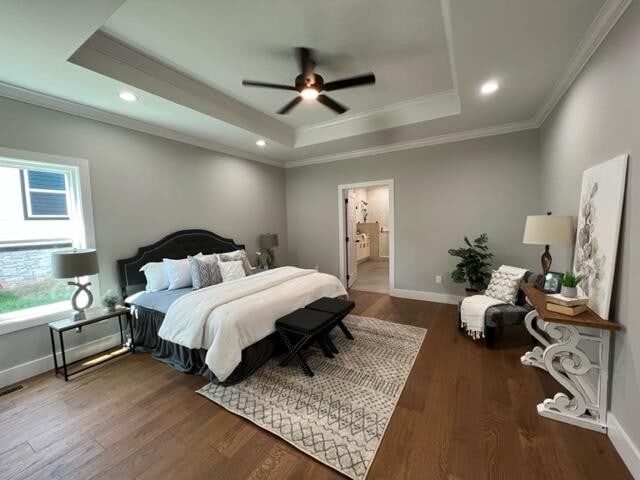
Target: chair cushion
{"points": [[307, 322], [505, 315], [337, 306]]}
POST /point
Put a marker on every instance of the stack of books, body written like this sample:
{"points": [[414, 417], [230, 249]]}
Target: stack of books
{"points": [[565, 305]]}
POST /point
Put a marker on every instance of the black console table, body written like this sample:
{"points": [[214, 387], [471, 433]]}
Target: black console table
{"points": [[66, 324]]}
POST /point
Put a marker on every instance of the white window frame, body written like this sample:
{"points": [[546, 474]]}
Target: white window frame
{"points": [[27, 190], [80, 210]]}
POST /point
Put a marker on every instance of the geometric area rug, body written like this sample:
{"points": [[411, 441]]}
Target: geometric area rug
{"points": [[340, 414]]}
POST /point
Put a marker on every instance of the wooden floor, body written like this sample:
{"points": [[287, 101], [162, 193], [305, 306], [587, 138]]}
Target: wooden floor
{"points": [[465, 413]]}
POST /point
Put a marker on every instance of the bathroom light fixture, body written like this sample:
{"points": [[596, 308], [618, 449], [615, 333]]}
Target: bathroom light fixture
{"points": [[489, 87], [309, 93], [261, 143], [127, 97]]}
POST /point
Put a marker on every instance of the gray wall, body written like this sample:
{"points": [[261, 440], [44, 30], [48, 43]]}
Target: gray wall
{"points": [[598, 119], [442, 193], [143, 188]]}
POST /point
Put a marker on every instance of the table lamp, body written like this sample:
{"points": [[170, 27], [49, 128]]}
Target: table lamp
{"points": [[267, 242], [76, 263], [548, 230]]}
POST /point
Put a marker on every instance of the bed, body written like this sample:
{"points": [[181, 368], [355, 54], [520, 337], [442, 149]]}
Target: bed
{"points": [[224, 332]]}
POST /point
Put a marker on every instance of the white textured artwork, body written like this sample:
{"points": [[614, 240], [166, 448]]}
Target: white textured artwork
{"points": [[598, 231]]}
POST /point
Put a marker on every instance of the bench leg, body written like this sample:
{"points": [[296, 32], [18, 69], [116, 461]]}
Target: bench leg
{"points": [[323, 341], [330, 343], [294, 351], [345, 330]]}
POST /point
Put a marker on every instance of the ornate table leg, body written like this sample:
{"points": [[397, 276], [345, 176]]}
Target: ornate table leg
{"points": [[534, 357], [586, 404]]}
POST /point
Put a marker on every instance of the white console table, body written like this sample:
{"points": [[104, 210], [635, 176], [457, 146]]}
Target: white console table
{"points": [[563, 356]]}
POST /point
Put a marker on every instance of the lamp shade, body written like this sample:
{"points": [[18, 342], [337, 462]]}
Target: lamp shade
{"points": [[549, 230], [74, 263], [268, 240]]}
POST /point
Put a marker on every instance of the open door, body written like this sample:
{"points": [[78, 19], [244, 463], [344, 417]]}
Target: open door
{"points": [[351, 220]]}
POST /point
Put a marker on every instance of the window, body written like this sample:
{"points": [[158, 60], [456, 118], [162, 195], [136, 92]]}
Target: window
{"points": [[56, 192], [45, 195]]}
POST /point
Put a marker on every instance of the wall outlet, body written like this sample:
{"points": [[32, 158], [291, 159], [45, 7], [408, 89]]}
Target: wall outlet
{"points": [[438, 278]]}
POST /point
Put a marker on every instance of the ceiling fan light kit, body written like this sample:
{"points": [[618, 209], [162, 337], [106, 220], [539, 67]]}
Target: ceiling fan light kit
{"points": [[310, 85]]}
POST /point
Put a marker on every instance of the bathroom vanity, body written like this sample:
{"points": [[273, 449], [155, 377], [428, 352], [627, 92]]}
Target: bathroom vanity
{"points": [[363, 246]]}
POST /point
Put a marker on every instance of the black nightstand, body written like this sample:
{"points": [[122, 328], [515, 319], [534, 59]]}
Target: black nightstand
{"points": [[66, 324]]}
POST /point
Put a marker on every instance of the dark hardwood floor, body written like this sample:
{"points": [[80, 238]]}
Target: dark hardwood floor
{"points": [[465, 413]]}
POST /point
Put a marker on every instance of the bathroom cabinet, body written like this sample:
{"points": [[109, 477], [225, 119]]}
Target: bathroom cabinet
{"points": [[363, 247]]}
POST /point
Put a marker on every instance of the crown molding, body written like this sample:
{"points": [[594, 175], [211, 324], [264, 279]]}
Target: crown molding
{"points": [[606, 19], [406, 112], [66, 106], [423, 142]]}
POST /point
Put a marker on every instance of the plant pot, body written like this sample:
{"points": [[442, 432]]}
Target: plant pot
{"points": [[110, 308], [569, 292], [471, 292]]}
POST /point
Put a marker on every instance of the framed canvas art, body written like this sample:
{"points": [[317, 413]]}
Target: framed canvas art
{"points": [[598, 231]]}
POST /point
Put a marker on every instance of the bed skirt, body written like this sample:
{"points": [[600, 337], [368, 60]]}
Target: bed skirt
{"points": [[146, 324]]}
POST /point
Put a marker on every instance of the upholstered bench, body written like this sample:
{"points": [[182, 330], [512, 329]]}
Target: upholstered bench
{"points": [[505, 315], [301, 328], [337, 307]]}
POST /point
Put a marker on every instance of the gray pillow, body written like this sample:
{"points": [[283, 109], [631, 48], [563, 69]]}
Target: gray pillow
{"points": [[204, 271], [235, 256]]}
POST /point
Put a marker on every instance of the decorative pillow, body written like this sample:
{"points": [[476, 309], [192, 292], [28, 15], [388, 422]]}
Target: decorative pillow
{"points": [[178, 272], [237, 255], [503, 286], [231, 270], [204, 271], [156, 275]]}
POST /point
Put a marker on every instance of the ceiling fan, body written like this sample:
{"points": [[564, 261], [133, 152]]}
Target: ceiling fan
{"points": [[310, 85]]}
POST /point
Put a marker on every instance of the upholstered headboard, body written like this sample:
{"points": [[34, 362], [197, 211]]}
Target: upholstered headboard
{"points": [[176, 245]]}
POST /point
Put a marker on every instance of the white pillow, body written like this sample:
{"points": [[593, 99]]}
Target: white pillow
{"points": [[178, 272], [232, 270], [237, 255], [503, 286], [156, 276]]}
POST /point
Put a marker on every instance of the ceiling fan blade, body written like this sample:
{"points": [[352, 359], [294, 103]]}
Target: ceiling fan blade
{"points": [[306, 63], [254, 83], [332, 104], [366, 79], [289, 105]]}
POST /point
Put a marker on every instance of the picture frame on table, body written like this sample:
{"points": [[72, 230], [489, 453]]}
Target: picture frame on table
{"points": [[550, 283]]}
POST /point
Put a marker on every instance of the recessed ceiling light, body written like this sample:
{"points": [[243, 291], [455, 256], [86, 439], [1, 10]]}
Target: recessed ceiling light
{"points": [[489, 87], [127, 97], [309, 93], [261, 143]]}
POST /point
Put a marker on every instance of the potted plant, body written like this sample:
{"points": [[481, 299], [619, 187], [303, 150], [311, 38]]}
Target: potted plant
{"points": [[569, 284], [110, 299], [473, 265]]}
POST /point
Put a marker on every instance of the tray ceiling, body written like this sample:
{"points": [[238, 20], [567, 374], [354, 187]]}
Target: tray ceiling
{"points": [[185, 61]]}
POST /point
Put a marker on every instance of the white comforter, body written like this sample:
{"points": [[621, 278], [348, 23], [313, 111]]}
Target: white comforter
{"points": [[230, 316]]}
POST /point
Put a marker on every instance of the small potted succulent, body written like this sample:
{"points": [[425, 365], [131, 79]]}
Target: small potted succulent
{"points": [[110, 299], [569, 283]]}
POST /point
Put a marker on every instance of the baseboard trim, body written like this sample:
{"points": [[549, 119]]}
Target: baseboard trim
{"points": [[629, 452], [425, 296], [40, 365]]}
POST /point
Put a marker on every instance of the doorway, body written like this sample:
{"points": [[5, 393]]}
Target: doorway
{"points": [[366, 236]]}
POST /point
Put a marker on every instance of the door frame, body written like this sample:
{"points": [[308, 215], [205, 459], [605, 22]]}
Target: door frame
{"points": [[342, 232]]}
